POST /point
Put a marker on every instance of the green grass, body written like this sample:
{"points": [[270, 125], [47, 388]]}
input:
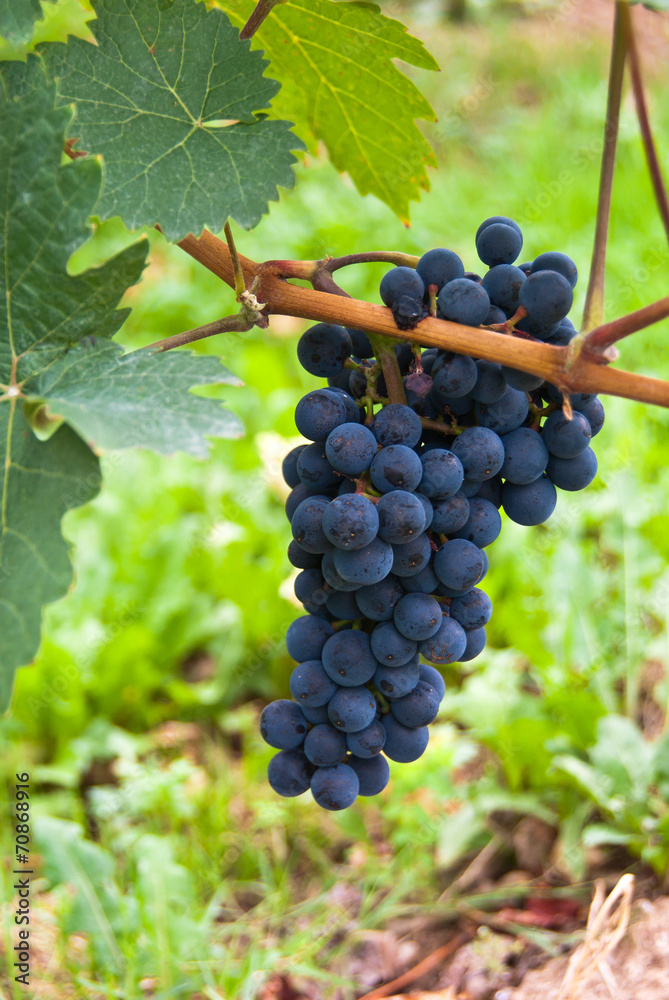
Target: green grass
{"points": [[200, 876]]}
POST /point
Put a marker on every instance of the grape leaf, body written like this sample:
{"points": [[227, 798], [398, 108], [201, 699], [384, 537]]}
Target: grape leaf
{"points": [[51, 325], [170, 97], [17, 18], [117, 400], [334, 61]]}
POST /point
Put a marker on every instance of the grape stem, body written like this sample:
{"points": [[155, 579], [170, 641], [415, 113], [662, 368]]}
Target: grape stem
{"points": [[386, 356], [261, 12], [584, 373], [594, 302], [654, 168]]}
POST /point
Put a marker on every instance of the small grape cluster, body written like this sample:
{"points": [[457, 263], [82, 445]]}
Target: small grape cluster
{"points": [[393, 504]]}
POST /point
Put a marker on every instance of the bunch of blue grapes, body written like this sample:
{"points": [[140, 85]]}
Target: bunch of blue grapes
{"points": [[393, 506]]}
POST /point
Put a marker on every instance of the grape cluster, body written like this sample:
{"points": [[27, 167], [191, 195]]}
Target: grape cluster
{"points": [[393, 505]]}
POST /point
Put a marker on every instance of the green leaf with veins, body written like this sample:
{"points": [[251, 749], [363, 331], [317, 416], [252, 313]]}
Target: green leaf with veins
{"points": [[142, 399], [334, 61], [170, 97], [44, 315], [17, 18]]}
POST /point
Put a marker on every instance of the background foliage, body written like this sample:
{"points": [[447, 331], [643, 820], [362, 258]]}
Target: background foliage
{"points": [[137, 720]]}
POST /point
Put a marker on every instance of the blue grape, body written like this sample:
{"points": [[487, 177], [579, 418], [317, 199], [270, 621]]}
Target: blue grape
{"points": [[325, 746], [541, 329], [459, 564], [530, 504], [340, 381], [427, 508], [348, 658], [373, 774], [566, 438], [490, 383], [333, 577], [499, 244], [396, 468], [365, 566], [473, 276], [522, 381], [593, 411], [556, 261], [314, 470], [413, 557], [354, 413], [417, 616], [483, 525], [525, 456], [319, 412], [424, 582], [378, 600], [462, 301], [442, 474], [310, 685], [438, 267], [283, 725], [306, 637], [564, 334], [316, 716], [343, 606], [309, 587], [418, 708], [432, 677], [476, 640], [470, 488], [404, 745], [457, 405], [397, 424], [454, 375], [335, 788], [390, 647], [491, 490], [352, 709], [503, 284], [297, 495], [350, 448], [525, 268], [289, 773], [472, 611], [361, 346], [447, 645], [428, 359], [368, 742], [350, 522], [301, 559], [307, 525], [507, 413], [573, 474], [289, 466], [401, 517], [480, 451], [399, 283], [547, 296], [395, 682], [357, 384], [495, 316], [323, 349], [450, 514], [348, 486], [503, 220]]}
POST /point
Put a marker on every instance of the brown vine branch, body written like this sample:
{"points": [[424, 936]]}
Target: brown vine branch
{"points": [[548, 362], [228, 324], [609, 333], [594, 302], [262, 11], [650, 148]]}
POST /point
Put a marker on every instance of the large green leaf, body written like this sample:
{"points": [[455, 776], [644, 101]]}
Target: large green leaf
{"points": [[170, 97], [17, 18], [55, 332], [339, 84], [117, 400]]}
